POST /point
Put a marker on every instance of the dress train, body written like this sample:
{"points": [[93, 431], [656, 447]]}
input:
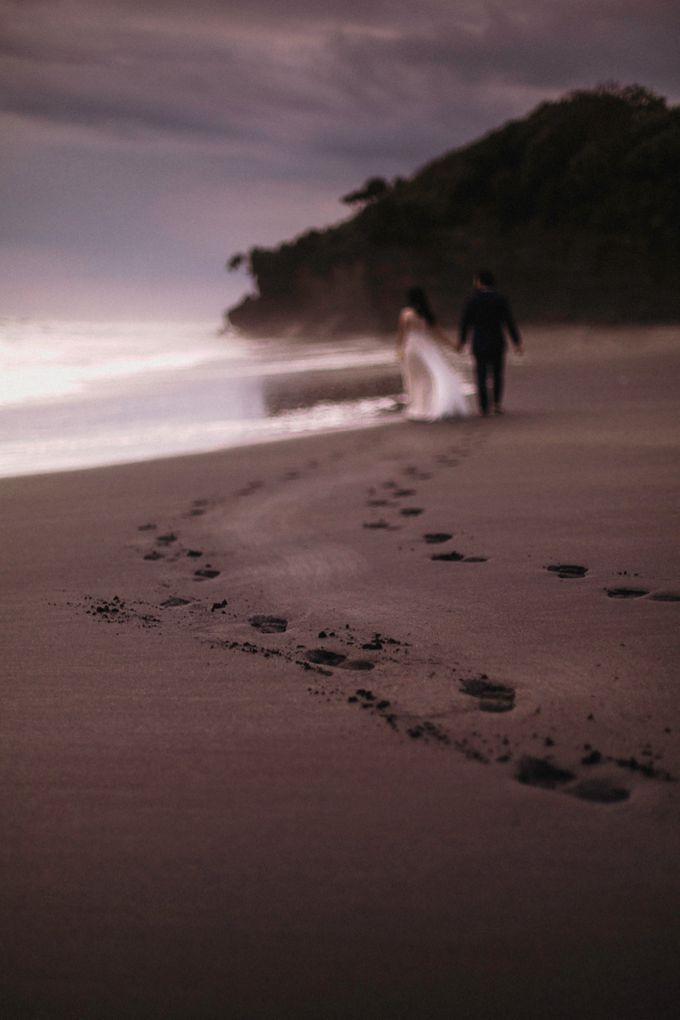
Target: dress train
{"points": [[434, 389]]}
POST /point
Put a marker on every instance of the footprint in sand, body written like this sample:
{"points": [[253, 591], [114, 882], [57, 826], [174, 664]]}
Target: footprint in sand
{"points": [[326, 657], [380, 525], [167, 539], [403, 493], [457, 557], [435, 537], [541, 772], [601, 791], [492, 697], [154, 555], [411, 511], [173, 601], [626, 593], [250, 488], [567, 570], [269, 624], [197, 508], [206, 572], [665, 596]]}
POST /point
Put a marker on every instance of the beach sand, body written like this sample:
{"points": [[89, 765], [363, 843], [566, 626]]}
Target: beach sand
{"points": [[264, 756]]}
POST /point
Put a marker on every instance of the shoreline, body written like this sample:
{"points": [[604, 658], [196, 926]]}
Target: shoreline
{"points": [[273, 407], [315, 401], [266, 756], [243, 444]]}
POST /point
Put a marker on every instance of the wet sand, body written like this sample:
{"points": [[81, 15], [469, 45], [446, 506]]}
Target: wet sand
{"points": [[373, 724]]}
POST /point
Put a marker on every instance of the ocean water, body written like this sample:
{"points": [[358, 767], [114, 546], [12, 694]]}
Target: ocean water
{"points": [[84, 394]]}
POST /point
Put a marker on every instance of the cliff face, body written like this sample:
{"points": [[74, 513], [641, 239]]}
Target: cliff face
{"points": [[576, 208]]}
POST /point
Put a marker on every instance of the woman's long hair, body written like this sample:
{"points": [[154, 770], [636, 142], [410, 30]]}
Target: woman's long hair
{"points": [[417, 300]]}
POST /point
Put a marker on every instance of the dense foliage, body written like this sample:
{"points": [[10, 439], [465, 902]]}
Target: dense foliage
{"points": [[575, 207]]}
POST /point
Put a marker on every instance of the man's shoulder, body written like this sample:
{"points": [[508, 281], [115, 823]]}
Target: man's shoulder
{"points": [[495, 299]]}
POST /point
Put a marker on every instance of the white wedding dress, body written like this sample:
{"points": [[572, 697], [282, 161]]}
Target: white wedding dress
{"points": [[433, 387]]}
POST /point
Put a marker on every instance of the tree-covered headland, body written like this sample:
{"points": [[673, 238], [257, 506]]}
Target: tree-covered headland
{"points": [[576, 208]]}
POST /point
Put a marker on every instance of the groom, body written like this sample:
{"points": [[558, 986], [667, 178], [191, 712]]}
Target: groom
{"points": [[487, 313]]}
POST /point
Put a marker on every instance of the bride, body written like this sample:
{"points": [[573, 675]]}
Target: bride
{"points": [[433, 388]]}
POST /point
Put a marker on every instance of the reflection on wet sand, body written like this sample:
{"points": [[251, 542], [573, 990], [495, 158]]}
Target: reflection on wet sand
{"points": [[303, 390]]}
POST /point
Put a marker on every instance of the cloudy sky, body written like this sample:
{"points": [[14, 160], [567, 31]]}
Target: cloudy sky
{"points": [[145, 141]]}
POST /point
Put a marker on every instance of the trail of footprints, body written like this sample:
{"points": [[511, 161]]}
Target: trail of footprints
{"points": [[339, 653], [336, 650], [393, 500], [571, 571], [563, 571]]}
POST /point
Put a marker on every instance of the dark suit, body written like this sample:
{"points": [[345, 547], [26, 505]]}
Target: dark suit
{"points": [[487, 313]]}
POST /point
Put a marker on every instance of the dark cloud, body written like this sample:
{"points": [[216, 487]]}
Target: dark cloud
{"points": [[222, 100], [236, 70]]}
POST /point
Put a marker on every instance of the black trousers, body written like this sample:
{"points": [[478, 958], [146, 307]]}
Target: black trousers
{"points": [[489, 362]]}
